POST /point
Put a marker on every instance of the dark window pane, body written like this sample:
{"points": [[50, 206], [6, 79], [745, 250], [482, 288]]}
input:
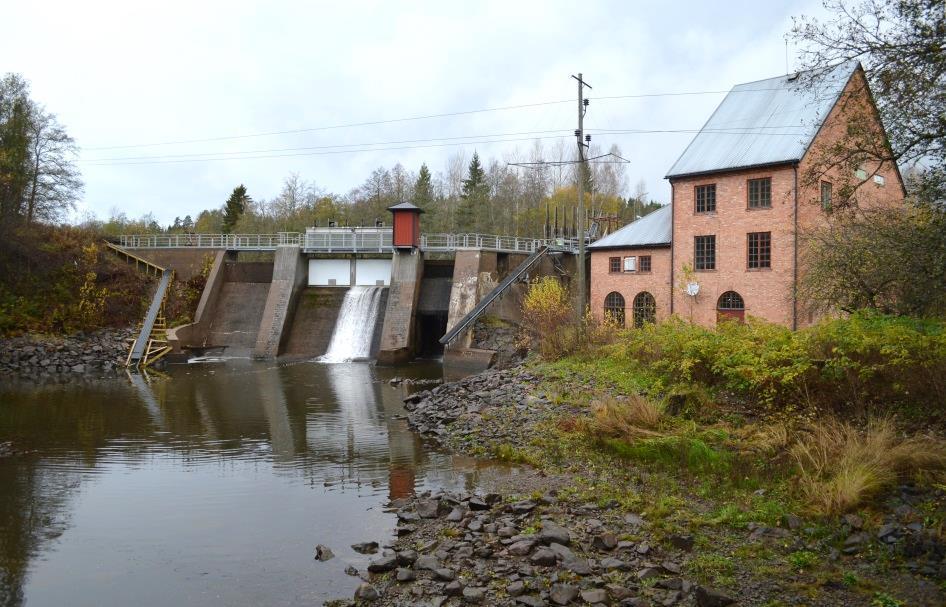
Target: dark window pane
{"points": [[645, 309], [644, 262], [760, 193], [826, 195], [704, 253], [730, 300], [760, 249], [706, 198], [614, 264], [614, 307]]}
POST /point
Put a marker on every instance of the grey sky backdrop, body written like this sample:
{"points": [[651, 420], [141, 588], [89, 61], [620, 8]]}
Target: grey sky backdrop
{"points": [[119, 73]]}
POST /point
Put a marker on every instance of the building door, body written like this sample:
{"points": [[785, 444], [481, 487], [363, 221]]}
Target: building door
{"points": [[730, 307]]}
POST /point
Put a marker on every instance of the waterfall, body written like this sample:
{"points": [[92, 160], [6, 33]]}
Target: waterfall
{"points": [[354, 328]]}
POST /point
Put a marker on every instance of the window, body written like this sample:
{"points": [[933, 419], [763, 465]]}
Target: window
{"points": [[730, 306], [630, 264], [706, 198], [644, 262], [614, 308], [645, 309], [614, 264], [879, 179], [704, 252], [860, 174], [760, 193], [826, 195], [760, 250]]}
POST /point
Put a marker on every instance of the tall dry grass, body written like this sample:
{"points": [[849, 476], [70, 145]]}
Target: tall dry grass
{"points": [[628, 418], [841, 466]]}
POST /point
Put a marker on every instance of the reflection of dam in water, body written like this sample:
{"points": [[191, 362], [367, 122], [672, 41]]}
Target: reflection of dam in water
{"points": [[237, 470]]}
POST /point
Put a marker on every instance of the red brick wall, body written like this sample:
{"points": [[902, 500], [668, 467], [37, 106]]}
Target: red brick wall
{"points": [[766, 292], [629, 284]]}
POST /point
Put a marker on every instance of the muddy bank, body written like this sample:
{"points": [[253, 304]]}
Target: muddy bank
{"points": [[44, 356]]}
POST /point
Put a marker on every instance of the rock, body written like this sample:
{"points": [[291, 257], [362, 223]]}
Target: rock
{"points": [[323, 553], [405, 558], [594, 595], [578, 566], [408, 517], [382, 564], [473, 594], [531, 601], [618, 592], [707, 597], [428, 562], [516, 588], [366, 592], [633, 520], [562, 552], [791, 521], [477, 503], [523, 506], [445, 574], [887, 530], [682, 542], [563, 594], [427, 508], [610, 563], [521, 548], [365, 547], [648, 572], [643, 548], [543, 557], [605, 541], [453, 588], [455, 516], [554, 533], [853, 521], [350, 570], [403, 574]]}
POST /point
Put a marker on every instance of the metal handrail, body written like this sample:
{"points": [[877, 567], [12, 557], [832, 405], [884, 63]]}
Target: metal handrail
{"points": [[341, 241]]}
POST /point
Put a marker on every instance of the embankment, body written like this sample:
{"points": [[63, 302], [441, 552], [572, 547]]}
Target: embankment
{"points": [[41, 357]]}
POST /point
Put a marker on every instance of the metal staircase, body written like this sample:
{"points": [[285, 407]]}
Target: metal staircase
{"points": [[151, 343], [467, 321]]}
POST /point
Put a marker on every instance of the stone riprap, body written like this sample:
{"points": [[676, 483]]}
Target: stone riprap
{"points": [[45, 356]]}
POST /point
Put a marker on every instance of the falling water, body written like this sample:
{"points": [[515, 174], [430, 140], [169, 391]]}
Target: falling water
{"points": [[354, 328]]}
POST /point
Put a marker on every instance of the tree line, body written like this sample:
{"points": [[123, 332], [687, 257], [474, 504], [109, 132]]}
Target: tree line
{"points": [[470, 195]]}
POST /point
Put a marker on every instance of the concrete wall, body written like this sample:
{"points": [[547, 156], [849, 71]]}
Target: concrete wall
{"points": [[289, 277], [313, 321], [397, 333], [194, 334]]}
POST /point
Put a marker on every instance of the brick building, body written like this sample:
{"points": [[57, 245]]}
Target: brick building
{"points": [[728, 244]]}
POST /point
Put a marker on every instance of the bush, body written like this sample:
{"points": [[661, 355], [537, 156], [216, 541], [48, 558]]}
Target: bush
{"points": [[865, 361], [549, 317]]}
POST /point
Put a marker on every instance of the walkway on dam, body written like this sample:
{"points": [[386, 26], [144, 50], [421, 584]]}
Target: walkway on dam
{"points": [[343, 240]]}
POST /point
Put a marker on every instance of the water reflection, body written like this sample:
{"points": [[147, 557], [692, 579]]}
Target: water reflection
{"points": [[210, 485]]}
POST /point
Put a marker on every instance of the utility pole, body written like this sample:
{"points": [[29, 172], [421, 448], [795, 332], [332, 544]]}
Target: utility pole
{"points": [[582, 144]]}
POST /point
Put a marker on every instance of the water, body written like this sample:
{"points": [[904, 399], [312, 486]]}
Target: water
{"points": [[210, 485], [354, 329]]}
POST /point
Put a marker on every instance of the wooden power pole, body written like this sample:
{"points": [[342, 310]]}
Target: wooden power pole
{"points": [[582, 144]]}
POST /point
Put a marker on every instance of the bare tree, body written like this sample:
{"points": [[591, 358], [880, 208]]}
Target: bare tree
{"points": [[55, 184]]}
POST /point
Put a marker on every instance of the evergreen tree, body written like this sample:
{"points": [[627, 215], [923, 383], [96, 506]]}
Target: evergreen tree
{"points": [[423, 188], [235, 207], [475, 196]]}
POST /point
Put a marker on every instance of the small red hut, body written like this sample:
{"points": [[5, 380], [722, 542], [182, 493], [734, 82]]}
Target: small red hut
{"points": [[406, 225]]}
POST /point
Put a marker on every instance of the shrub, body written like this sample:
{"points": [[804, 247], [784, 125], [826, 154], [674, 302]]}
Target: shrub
{"points": [[549, 317], [840, 466], [630, 418]]}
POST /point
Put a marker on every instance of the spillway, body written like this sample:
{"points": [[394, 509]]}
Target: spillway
{"points": [[354, 329]]}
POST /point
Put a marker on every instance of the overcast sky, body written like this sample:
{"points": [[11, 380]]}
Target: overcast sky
{"points": [[122, 74]]}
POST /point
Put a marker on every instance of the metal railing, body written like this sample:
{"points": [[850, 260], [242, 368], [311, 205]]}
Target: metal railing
{"points": [[340, 241]]}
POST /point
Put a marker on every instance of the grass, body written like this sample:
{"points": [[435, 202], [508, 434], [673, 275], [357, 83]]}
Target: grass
{"points": [[841, 466]]}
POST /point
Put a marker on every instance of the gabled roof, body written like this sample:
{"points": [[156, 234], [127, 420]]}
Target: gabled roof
{"points": [[653, 229], [766, 122]]}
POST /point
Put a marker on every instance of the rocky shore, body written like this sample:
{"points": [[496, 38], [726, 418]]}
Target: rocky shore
{"points": [[44, 356], [532, 541]]}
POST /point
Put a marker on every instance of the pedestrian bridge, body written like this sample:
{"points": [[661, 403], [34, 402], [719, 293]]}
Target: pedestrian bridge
{"points": [[342, 240]]}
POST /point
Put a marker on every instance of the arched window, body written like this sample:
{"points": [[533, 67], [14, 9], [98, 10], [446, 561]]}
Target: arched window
{"points": [[645, 309], [614, 307], [730, 305]]}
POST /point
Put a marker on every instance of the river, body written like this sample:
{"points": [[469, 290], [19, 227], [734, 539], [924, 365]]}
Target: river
{"points": [[207, 484]]}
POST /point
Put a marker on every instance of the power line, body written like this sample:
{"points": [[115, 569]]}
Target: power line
{"points": [[409, 119]]}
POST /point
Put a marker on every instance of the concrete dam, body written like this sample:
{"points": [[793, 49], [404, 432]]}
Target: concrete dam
{"points": [[339, 294]]}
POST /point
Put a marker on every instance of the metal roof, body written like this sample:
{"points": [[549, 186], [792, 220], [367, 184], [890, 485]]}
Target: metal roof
{"points": [[406, 206], [765, 122], [653, 229]]}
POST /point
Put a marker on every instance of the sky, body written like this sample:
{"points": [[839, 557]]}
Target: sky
{"points": [[131, 81]]}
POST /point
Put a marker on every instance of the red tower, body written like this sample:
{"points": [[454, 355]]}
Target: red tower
{"points": [[406, 225]]}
